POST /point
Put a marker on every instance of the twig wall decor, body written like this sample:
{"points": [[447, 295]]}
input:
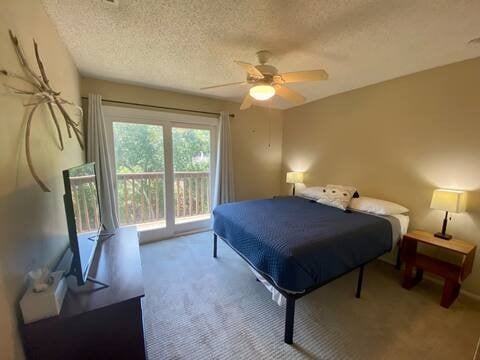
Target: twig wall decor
{"points": [[41, 93]]}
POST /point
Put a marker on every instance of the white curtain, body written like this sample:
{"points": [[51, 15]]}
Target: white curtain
{"points": [[97, 151], [224, 186]]}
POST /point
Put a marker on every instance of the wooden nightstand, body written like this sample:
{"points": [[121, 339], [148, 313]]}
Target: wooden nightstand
{"points": [[452, 273]]}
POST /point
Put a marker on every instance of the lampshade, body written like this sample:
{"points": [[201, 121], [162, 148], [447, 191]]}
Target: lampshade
{"points": [[262, 92], [449, 200], [294, 177]]}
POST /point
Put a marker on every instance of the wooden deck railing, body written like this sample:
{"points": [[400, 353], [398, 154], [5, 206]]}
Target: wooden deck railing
{"points": [[141, 197]]}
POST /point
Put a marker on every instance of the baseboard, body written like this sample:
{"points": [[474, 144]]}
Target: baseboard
{"points": [[196, 231], [437, 281], [183, 233]]}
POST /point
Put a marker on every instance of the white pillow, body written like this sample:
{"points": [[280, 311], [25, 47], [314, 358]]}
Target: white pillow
{"points": [[311, 193], [376, 206], [336, 196]]}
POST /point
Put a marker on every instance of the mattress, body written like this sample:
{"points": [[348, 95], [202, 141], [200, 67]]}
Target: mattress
{"points": [[299, 244], [404, 221]]}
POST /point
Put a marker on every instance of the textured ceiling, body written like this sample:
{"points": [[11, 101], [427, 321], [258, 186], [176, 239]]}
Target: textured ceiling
{"points": [[186, 45]]}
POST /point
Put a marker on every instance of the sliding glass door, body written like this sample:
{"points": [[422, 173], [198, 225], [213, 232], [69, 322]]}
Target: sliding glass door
{"points": [[192, 165], [165, 166], [140, 168]]}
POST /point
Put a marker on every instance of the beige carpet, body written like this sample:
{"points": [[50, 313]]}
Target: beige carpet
{"points": [[197, 307]]}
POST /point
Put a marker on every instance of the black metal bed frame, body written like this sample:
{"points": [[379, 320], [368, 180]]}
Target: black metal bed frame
{"points": [[292, 297]]}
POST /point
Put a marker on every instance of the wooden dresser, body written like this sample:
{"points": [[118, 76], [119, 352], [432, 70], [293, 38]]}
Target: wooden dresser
{"points": [[101, 324]]}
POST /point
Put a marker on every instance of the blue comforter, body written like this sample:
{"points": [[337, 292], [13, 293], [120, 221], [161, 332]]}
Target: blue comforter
{"points": [[301, 244]]}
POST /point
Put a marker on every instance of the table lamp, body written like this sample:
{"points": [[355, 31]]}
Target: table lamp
{"points": [[294, 177], [448, 200]]}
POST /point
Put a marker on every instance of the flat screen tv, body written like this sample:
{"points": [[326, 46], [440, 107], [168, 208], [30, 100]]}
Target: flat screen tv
{"points": [[83, 218]]}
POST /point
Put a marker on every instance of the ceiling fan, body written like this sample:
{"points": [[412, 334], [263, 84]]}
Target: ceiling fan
{"points": [[267, 81]]}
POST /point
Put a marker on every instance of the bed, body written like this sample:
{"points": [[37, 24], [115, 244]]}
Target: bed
{"points": [[298, 245]]}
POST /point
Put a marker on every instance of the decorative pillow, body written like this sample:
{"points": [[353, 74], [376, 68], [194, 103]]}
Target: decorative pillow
{"points": [[343, 187], [348, 188], [311, 193], [337, 196], [377, 206]]}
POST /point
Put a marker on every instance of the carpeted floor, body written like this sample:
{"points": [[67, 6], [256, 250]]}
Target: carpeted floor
{"points": [[198, 307]]}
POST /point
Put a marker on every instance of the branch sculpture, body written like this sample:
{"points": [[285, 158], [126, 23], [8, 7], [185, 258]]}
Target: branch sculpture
{"points": [[41, 93]]}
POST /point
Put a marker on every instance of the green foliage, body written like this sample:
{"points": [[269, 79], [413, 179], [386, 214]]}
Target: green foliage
{"points": [[139, 148], [191, 149]]}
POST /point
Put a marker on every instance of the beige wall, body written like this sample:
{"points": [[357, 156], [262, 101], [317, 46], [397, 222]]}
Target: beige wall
{"points": [[398, 140], [256, 133], [32, 223]]}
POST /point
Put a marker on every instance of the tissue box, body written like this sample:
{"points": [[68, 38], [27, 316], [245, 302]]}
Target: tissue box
{"points": [[40, 305]]}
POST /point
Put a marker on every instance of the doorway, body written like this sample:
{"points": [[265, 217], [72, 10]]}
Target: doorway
{"points": [[165, 166]]}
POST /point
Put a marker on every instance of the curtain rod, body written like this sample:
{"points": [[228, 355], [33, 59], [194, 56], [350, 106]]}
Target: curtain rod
{"points": [[161, 107]]}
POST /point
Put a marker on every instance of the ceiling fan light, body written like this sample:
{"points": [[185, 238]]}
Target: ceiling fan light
{"points": [[262, 92]]}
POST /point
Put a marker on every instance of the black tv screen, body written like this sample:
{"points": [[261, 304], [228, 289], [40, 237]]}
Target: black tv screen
{"points": [[83, 217]]}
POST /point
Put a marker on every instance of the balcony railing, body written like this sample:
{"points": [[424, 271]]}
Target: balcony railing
{"points": [[141, 198]]}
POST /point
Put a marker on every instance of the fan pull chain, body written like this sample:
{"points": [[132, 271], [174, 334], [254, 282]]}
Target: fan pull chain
{"points": [[269, 124]]}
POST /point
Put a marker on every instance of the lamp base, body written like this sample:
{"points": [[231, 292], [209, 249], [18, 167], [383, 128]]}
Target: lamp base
{"points": [[443, 236]]}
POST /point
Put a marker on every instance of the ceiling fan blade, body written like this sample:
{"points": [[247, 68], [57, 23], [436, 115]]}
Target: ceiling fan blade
{"points": [[247, 102], [301, 76], [289, 94], [229, 84], [249, 68]]}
